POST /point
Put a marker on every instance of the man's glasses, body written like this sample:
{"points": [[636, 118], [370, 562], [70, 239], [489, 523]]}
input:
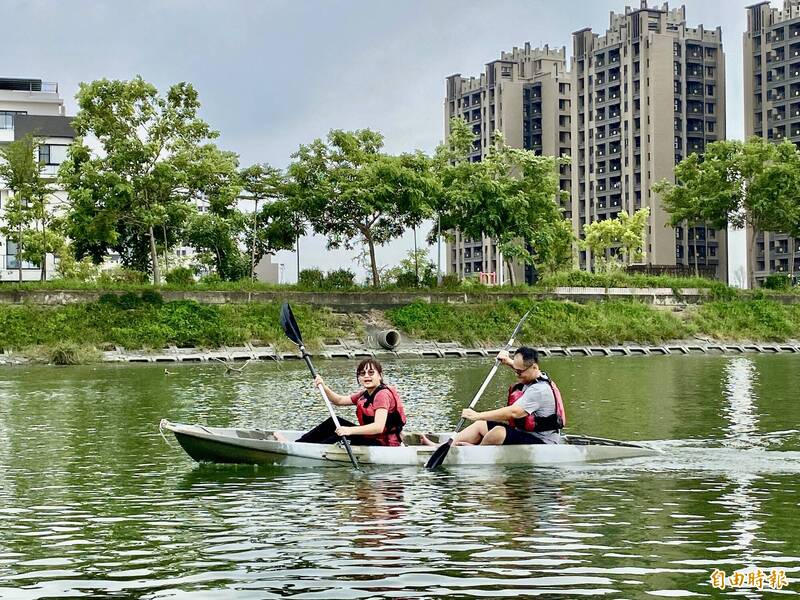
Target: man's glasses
{"points": [[521, 371]]}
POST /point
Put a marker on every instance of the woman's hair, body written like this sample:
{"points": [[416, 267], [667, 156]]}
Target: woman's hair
{"points": [[369, 362]]}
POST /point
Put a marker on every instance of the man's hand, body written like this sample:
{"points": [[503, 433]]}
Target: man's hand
{"points": [[504, 357]]}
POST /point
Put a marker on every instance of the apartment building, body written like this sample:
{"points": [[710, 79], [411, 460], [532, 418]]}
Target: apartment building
{"points": [[772, 110], [31, 106], [645, 94], [525, 95]]}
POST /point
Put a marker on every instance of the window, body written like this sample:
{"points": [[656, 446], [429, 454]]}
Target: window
{"points": [[7, 118], [52, 154], [11, 257]]}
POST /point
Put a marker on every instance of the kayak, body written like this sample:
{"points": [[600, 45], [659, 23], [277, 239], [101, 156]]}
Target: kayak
{"points": [[257, 446]]}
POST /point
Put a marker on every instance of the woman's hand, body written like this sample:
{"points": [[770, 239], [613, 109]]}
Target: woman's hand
{"points": [[318, 381], [343, 431], [470, 414]]}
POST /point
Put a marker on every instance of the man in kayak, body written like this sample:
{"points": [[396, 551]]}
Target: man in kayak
{"points": [[379, 410], [534, 413]]}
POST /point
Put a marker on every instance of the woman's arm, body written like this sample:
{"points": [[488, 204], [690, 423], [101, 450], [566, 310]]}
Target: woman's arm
{"points": [[374, 428], [335, 398]]}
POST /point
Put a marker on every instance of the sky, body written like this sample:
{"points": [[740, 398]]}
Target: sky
{"points": [[274, 74]]}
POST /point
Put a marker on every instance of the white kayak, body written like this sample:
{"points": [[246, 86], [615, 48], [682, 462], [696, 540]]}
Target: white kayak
{"points": [[258, 446]]}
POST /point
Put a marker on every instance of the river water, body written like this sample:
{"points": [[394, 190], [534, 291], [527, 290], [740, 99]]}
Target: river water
{"points": [[95, 503]]}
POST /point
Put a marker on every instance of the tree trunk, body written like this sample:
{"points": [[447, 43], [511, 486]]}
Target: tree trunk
{"points": [[376, 279], [19, 253], [696, 256], [416, 258], [253, 242], [752, 275], [511, 278], [166, 249], [44, 252], [154, 258]]}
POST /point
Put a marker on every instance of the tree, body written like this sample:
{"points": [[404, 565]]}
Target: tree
{"points": [[625, 232], [753, 184], [415, 270], [351, 192], [30, 216], [276, 226], [151, 164], [510, 196]]}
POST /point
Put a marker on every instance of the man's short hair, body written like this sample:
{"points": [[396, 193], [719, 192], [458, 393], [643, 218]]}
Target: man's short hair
{"points": [[529, 355]]}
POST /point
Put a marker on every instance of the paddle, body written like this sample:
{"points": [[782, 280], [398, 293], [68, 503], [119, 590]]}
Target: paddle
{"points": [[437, 458], [292, 331]]}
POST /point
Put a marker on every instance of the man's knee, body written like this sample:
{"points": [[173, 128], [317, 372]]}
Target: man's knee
{"points": [[495, 436]]}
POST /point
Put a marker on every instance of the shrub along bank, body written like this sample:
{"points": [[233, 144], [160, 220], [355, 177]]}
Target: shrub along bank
{"points": [[145, 321]]}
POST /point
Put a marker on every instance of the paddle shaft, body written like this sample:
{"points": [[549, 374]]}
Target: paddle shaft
{"points": [[331, 411], [489, 377]]}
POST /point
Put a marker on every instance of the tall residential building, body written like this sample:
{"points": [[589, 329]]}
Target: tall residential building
{"points": [[772, 109], [525, 95], [645, 94], [32, 106]]}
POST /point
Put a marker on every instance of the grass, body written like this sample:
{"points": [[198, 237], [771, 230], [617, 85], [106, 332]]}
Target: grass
{"points": [[551, 322], [147, 323], [756, 319]]}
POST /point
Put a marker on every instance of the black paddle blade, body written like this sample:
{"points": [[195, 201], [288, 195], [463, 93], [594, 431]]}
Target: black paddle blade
{"points": [[289, 325], [438, 456]]}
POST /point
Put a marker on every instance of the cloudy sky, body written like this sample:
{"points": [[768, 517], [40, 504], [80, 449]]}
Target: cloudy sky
{"points": [[274, 74]]}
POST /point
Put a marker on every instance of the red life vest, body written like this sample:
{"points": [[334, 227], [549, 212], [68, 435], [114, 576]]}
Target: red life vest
{"points": [[395, 420], [552, 422]]}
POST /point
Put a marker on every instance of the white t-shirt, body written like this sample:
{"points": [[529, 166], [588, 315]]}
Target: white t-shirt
{"points": [[538, 400]]}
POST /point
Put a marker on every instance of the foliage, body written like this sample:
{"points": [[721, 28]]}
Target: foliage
{"points": [[511, 196], [68, 268], [134, 323], [620, 278], [216, 238], [625, 232], [778, 281], [30, 211], [182, 276], [340, 279], [278, 223], [754, 183], [750, 319], [121, 275], [551, 322], [352, 193], [153, 161], [311, 279], [415, 270]]}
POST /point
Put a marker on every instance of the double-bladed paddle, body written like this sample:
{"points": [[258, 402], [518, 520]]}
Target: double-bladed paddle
{"points": [[437, 458], [292, 331]]}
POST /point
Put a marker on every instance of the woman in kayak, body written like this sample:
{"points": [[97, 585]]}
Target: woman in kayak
{"points": [[379, 410]]}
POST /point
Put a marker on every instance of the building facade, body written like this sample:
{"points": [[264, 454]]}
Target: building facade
{"points": [[772, 110], [525, 95], [645, 94], [31, 106]]}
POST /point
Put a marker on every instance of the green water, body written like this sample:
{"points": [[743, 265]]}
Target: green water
{"points": [[94, 503]]}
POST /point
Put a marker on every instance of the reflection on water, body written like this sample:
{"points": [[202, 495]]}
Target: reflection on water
{"points": [[94, 503]]}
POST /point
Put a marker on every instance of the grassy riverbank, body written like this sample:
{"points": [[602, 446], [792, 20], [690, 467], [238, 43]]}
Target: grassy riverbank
{"points": [[146, 321]]}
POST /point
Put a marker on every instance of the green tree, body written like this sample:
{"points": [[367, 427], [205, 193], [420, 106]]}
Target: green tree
{"points": [[415, 270], [351, 192], [511, 196], [625, 232], [30, 212], [754, 184], [152, 162], [275, 226]]}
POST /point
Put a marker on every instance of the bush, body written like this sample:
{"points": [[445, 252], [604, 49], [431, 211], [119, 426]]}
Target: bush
{"points": [[777, 281], [211, 279], [122, 275], [341, 279], [152, 297], [311, 279], [181, 276], [451, 281], [70, 353]]}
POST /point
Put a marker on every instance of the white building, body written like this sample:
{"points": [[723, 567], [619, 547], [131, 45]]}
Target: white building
{"points": [[32, 106]]}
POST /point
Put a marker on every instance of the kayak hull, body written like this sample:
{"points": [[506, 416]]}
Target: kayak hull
{"points": [[246, 446]]}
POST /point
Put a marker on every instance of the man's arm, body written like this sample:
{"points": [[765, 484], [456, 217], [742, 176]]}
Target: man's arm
{"points": [[499, 414]]}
